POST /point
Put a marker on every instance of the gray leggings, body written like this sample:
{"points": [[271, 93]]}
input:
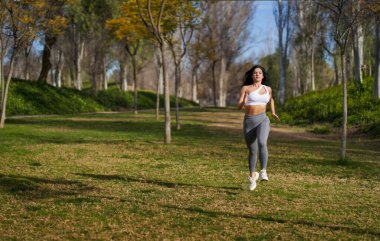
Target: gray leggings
{"points": [[256, 132]]}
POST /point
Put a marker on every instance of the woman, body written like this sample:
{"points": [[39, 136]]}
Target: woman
{"points": [[254, 96]]}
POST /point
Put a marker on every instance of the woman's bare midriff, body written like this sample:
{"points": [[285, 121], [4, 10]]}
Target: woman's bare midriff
{"points": [[254, 109]]}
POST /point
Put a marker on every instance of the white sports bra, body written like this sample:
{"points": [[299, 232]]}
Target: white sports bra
{"points": [[255, 98]]}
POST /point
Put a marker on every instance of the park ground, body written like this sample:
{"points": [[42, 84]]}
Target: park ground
{"points": [[108, 176]]}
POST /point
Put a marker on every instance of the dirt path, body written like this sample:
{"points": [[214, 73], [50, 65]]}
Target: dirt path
{"points": [[233, 120]]}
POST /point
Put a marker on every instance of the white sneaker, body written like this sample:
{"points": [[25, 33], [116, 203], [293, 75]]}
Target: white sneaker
{"points": [[252, 181], [263, 175]]}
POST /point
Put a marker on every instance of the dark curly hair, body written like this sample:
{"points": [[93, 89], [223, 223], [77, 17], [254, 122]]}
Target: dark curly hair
{"points": [[248, 80]]}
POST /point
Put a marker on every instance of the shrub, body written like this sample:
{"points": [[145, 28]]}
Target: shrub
{"points": [[32, 98], [326, 106]]}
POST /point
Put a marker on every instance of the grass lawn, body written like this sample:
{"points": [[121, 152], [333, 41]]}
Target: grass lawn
{"points": [[110, 177]]}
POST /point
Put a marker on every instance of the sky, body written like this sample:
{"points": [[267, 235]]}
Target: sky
{"points": [[263, 34], [263, 31]]}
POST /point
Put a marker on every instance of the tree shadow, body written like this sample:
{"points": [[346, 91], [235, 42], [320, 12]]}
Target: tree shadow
{"points": [[40, 188], [274, 219], [229, 190], [317, 166]]}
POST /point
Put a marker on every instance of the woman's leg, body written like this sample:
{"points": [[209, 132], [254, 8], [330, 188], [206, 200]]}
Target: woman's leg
{"points": [[262, 137], [250, 135]]}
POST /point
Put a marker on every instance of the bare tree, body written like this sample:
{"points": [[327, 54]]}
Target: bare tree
{"points": [[358, 47], [159, 86], [374, 11], [343, 23], [154, 27], [377, 59], [282, 14], [178, 42], [307, 21], [223, 39]]}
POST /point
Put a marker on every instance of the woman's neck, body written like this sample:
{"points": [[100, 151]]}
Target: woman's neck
{"points": [[257, 84]]}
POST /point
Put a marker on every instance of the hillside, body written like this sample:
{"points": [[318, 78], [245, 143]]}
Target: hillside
{"points": [[32, 98], [325, 106]]}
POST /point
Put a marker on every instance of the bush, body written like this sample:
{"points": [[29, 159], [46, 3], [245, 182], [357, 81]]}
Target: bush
{"points": [[32, 98], [326, 106]]}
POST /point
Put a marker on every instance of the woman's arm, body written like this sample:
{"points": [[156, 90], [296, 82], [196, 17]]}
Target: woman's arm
{"points": [[272, 109], [242, 98]]}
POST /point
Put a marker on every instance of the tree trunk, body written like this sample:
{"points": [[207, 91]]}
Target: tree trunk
{"points": [[123, 76], [79, 51], [214, 83], [58, 71], [135, 84], [167, 98], [336, 70], [93, 72], [26, 69], [281, 55], [348, 65], [46, 64], [94, 82], [159, 83], [5, 95], [358, 54], [377, 61], [180, 91], [1, 71], [177, 84], [159, 90], [312, 73], [222, 84], [194, 84], [344, 110], [104, 74]]}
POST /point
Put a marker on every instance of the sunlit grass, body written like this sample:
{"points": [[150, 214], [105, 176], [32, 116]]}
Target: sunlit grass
{"points": [[110, 177]]}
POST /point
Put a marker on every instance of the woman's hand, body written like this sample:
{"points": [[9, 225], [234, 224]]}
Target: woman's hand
{"points": [[275, 116]]}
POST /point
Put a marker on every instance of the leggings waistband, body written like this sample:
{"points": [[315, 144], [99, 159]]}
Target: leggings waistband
{"points": [[255, 116]]}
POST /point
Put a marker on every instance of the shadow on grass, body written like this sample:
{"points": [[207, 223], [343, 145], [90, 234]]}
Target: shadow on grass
{"points": [[353, 168], [40, 188], [156, 182], [273, 219]]}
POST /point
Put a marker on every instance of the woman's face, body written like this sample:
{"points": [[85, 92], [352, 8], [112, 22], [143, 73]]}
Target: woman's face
{"points": [[258, 75]]}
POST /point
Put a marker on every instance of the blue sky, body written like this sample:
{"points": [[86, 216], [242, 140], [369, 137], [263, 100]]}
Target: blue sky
{"points": [[263, 38]]}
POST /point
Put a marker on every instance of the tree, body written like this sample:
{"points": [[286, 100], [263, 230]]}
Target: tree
{"points": [[79, 21], [223, 37], [343, 22], [159, 22], [20, 28], [308, 22], [178, 42], [52, 23], [358, 47], [374, 10], [129, 29], [377, 60], [4, 19], [282, 14]]}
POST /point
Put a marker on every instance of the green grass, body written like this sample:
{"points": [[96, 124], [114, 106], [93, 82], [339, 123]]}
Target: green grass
{"points": [[325, 106], [35, 98], [110, 177]]}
